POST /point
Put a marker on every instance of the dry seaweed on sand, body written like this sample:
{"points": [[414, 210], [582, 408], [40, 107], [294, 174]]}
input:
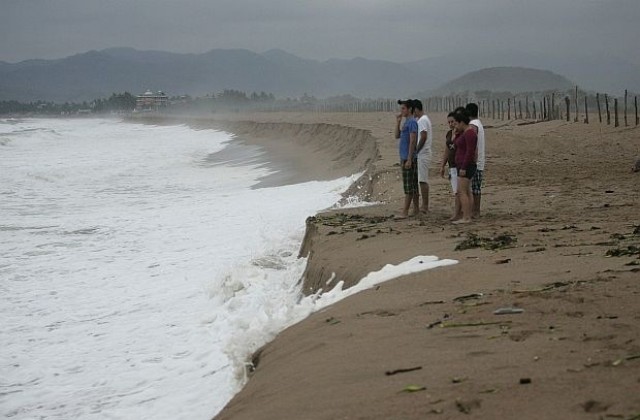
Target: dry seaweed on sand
{"points": [[502, 241], [629, 251], [404, 370], [349, 222]]}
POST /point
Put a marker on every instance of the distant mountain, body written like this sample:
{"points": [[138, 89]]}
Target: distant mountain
{"points": [[597, 73], [97, 74], [507, 79]]}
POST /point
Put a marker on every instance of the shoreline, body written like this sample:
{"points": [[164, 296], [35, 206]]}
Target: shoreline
{"points": [[570, 354]]}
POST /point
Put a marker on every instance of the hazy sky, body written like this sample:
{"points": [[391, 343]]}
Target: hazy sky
{"points": [[398, 30]]}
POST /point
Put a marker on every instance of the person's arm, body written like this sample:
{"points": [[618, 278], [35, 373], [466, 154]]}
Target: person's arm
{"points": [[398, 121], [445, 159], [471, 140], [413, 136], [423, 140], [475, 130]]}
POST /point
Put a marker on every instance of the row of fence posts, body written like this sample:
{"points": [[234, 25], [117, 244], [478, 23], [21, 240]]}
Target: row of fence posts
{"points": [[546, 108]]}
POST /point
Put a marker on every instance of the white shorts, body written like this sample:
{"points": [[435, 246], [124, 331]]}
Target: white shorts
{"points": [[453, 178], [423, 169]]}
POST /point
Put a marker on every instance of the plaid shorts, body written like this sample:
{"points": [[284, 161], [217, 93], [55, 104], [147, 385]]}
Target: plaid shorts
{"points": [[476, 182], [410, 178]]}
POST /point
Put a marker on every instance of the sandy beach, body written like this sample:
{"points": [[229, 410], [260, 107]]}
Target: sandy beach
{"points": [[558, 239]]}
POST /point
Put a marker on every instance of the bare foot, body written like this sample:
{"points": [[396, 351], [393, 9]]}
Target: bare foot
{"points": [[461, 221], [400, 216]]}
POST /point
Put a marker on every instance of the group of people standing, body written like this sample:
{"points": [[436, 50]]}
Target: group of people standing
{"points": [[464, 154]]}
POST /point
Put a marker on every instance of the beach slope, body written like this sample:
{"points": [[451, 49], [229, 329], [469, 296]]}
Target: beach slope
{"points": [[558, 241]]}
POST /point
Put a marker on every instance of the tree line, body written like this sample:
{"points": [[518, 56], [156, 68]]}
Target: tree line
{"points": [[116, 102]]}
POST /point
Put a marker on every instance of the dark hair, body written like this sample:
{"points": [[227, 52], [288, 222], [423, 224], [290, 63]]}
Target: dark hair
{"points": [[451, 114], [472, 110], [417, 104], [461, 116], [407, 102]]}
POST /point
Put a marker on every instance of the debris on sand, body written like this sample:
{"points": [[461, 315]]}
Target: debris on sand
{"points": [[395, 372], [466, 406], [472, 324], [550, 286], [414, 388], [593, 406], [508, 311], [351, 223], [505, 240], [629, 251]]}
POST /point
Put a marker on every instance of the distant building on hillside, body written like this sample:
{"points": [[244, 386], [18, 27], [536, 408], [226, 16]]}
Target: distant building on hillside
{"points": [[150, 101]]}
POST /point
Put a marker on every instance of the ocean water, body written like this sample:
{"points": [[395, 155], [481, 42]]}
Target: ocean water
{"points": [[138, 272]]}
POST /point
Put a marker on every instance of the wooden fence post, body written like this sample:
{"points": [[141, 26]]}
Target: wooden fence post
{"points": [[586, 110], [626, 93], [526, 107], [606, 104], [598, 103], [567, 102], [520, 108], [615, 112], [535, 114], [635, 100], [543, 108], [553, 106], [576, 102], [508, 108]]}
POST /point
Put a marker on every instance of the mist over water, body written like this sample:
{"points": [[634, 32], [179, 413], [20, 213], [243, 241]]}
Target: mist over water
{"points": [[135, 276]]}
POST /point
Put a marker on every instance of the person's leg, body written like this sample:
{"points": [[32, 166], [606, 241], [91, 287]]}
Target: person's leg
{"points": [[453, 179], [407, 204], [423, 180], [476, 188], [415, 188], [464, 192], [407, 180], [477, 198], [424, 191]]}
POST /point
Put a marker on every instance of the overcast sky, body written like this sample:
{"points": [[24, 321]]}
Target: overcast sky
{"points": [[397, 30]]}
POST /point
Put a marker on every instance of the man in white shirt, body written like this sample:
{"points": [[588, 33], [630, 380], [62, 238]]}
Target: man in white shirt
{"points": [[476, 182], [425, 139]]}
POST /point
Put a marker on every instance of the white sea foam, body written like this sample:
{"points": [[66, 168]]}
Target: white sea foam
{"points": [[135, 277]]}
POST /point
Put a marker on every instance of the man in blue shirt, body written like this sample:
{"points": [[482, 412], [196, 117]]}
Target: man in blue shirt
{"points": [[408, 135]]}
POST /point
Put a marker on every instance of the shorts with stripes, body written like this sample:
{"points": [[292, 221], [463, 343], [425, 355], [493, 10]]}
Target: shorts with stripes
{"points": [[410, 178], [476, 182]]}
